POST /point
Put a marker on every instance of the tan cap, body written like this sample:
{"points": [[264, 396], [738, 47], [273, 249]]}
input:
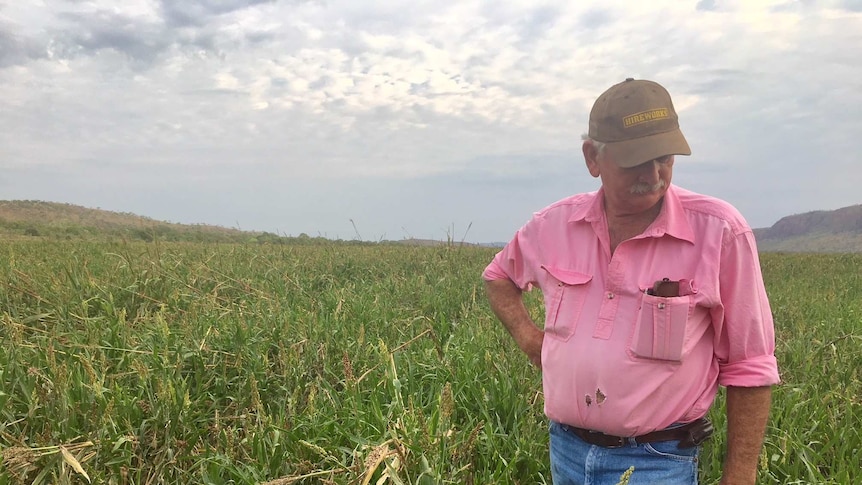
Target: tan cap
{"points": [[636, 121]]}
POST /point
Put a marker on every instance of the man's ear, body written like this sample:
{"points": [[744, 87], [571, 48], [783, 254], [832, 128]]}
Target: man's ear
{"points": [[591, 157]]}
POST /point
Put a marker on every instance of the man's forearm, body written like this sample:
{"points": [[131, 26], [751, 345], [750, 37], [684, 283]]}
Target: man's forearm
{"points": [[747, 415], [507, 303]]}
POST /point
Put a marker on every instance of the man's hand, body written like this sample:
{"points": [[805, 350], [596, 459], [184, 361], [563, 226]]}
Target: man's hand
{"points": [[506, 302], [747, 414]]}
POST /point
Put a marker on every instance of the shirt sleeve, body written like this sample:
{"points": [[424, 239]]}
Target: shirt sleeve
{"points": [[745, 335], [517, 260]]}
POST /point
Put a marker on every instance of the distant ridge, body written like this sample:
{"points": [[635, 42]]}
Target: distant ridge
{"points": [[36, 219], [833, 231], [54, 220], [40, 212]]}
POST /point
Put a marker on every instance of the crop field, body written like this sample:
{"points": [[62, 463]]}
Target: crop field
{"points": [[343, 363]]}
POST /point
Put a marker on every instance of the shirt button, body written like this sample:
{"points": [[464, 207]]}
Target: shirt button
{"points": [[661, 306], [610, 296]]}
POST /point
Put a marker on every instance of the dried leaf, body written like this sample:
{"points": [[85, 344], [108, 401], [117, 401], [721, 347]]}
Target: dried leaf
{"points": [[373, 460], [73, 462]]}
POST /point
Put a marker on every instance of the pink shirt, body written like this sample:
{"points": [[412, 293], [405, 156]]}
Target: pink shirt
{"points": [[620, 361]]}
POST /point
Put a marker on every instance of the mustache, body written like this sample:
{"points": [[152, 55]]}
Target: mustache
{"points": [[641, 188]]}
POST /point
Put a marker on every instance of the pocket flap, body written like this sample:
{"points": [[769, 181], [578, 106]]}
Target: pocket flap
{"points": [[568, 277]]}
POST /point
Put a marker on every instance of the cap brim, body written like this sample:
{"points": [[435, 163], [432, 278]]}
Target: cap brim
{"points": [[630, 153]]}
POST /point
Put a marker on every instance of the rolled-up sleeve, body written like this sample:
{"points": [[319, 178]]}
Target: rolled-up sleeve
{"points": [[745, 334], [517, 260]]}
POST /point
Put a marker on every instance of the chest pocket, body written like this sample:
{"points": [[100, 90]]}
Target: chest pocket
{"points": [[564, 294], [659, 332]]}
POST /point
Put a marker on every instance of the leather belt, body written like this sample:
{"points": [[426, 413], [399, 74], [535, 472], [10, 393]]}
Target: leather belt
{"points": [[689, 435]]}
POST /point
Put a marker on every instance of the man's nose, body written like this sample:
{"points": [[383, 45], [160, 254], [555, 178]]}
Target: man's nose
{"points": [[649, 172]]}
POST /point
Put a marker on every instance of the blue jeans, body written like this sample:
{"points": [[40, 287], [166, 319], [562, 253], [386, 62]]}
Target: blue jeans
{"points": [[574, 461]]}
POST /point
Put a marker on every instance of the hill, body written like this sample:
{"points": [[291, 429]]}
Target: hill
{"points": [[53, 220], [33, 218], [834, 231]]}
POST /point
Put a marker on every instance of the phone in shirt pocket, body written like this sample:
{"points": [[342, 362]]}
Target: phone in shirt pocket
{"points": [[564, 293], [660, 328]]}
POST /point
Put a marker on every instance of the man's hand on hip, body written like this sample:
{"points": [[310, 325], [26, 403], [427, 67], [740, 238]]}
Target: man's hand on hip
{"points": [[506, 302]]}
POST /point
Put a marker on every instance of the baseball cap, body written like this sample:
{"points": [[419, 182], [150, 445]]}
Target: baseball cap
{"points": [[636, 121]]}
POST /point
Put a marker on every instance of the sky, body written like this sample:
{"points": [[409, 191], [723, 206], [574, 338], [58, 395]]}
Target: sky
{"points": [[387, 120]]}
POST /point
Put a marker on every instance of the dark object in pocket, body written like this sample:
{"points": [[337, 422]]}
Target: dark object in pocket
{"points": [[665, 287]]}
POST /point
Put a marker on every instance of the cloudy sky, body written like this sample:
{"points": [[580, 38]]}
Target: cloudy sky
{"points": [[428, 119]]}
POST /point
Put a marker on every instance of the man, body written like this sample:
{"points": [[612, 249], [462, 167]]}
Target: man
{"points": [[653, 298]]}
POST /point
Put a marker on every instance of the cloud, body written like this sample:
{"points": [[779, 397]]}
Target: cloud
{"points": [[707, 5], [17, 49], [596, 19], [852, 5], [139, 37], [200, 12]]}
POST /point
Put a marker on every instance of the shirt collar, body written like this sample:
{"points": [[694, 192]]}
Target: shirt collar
{"points": [[671, 220], [590, 211]]}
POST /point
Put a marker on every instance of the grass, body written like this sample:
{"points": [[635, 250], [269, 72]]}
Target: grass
{"points": [[207, 363]]}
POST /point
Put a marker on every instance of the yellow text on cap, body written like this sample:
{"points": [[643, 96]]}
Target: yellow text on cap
{"points": [[645, 116]]}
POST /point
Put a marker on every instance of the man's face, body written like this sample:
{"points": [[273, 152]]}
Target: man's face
{"points": [[630, 191]]}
